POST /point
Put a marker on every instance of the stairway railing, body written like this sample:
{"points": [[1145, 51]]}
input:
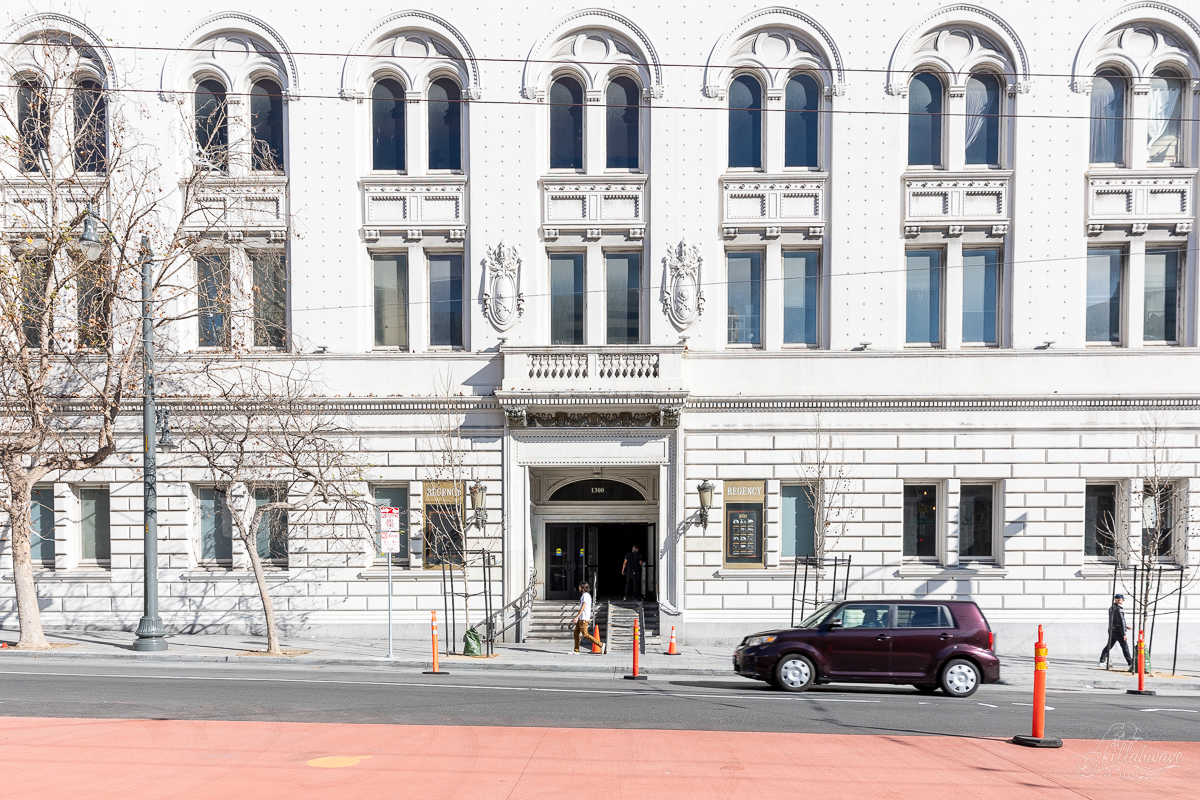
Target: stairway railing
{"points": [[497, 623]]}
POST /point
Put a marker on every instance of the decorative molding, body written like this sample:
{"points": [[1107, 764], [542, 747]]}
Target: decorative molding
{"points": [[912, 231], [514, 416], [1183, 228], [277, 236], [594, 233], [1139, 228], [637, 233], [457, 234], [729, 232], [682, 297], [536, 63], [413, 234], [718, 404], [234, 236], [962, 13], [1095, 228], [37, 23], [503, 302], [594, 419], [1000, 229], [773, 232], [352, 69], [1152, 12], [816, 231], [717, 67], [371, 234], [549, 234], [241, 23], [956, 230]]}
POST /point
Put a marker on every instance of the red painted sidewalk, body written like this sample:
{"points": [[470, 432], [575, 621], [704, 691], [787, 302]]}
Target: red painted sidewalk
{"points": [[78, 758]]}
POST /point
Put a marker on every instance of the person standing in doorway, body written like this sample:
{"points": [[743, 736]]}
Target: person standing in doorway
{"points": [[631, 568], [583, 618], [1116, 631]]}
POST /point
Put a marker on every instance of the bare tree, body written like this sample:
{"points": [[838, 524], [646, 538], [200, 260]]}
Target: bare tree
{"points": [[826, 477]]}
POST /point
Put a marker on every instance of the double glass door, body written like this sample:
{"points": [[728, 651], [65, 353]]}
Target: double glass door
{"points": [[570, 559]]}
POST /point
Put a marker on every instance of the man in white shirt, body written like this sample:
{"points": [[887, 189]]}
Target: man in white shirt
{"points": [[583, 618]]}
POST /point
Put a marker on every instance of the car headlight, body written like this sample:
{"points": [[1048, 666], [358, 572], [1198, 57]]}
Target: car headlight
{"points": [[755, 641]]}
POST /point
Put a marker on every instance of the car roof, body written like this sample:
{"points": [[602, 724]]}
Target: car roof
{"points": [[908, 602]]}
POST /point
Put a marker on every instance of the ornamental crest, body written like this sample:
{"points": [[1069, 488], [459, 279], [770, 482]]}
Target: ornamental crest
{"points": [[503, 302], [682, 300]]}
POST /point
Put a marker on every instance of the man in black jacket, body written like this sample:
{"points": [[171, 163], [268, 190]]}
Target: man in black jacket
{"points": [[1116, 630]]}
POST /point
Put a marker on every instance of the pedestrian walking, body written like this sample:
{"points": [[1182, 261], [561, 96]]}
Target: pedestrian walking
{"points": [[631, 568], [1116, 631], [583, 618]]}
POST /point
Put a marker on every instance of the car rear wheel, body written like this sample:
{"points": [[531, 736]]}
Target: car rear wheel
{"points": [[960, 678], [794, 673]]}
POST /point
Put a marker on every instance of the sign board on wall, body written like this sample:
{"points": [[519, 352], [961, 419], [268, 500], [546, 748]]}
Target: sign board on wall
{"points": [[444, 523], [389, 529], [745, 507]]}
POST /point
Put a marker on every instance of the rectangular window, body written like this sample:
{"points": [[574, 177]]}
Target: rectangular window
{"points": [[920, 521], [391, 300], [94, 525], [923, 617], [976, 521], [41, 541], [923, 311], [392, 497], [744, 288], [446, 300], [799, 522], [270, 298], [624, 297], [93, 312], [1100, 521], [1104, 295], [34, 268], [981, 296], [1162, 296], [1158, 520], [566, 298], [212, 301], [445, 523], [801, 287], [216, 532], [272, 539]]}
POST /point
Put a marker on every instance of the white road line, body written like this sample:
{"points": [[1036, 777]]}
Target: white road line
{"points": [[989, 705], [1048, 708], [1184, 710]]}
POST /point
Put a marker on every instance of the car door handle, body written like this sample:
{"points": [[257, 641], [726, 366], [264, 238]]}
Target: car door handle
{"points": [[883, 637], [946, 636]]}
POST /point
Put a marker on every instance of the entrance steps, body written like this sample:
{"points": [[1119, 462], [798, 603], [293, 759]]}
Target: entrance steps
{"points": [[618, 630], [550, 621]]}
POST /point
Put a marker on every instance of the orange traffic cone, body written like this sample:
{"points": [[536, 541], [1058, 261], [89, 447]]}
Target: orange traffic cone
{"points": [[671, 651], [596, 633]]}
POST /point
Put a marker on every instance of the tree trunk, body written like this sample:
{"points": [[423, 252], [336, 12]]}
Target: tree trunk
{"points": [[29, 615], [263, 592]]}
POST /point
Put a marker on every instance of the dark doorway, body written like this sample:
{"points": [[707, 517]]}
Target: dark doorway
{"points": [[594, 552]]}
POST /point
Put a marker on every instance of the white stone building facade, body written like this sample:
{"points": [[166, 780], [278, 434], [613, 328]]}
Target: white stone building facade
{"points": [[652, 245]]}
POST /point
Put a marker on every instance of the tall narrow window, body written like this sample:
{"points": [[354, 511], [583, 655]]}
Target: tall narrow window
{"points": [[393, 497], [270, 299], [801, 290], [1108, 118], [920, 521], [1164, 129], [94, 525], [35, 274], [925, 120], [623, 298], [744, 288], [266, 126], [566, 298], [91, 127], [745, 122], [445, 125], [981, 296], [1162, 292], [216, 531], [800, 137], [623, 130], [33, 124], [983, 120], [1100, 521], [976, 520], [566, 124], [923, 311], [272, 534], [213, 290], [446, 300], [212, 124], [391, 300], [93, 303], [799, 522], [41, 540], [1104, 295], [1158, 519], [387, 125]]}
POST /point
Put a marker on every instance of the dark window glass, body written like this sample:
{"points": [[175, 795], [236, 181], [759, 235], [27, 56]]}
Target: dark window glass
{"points": [[387, 125], [1158, 520], [923, 320], [35, 274], [212, 313], [94, 303], [983, 119], [446, 300], [1162, 290], [745, 122], [33, 125], [1108, 118], [392, 497], [443, 535], [94, 524], [266, 126], [1165, 126], [595, 491], [800, 135], [566, 298], [216, 531], [624, 297], [925, 121], [272, 535], [975, 522], [800, 297], [41, 541], [91, 127], [799, 522], [920, 521], [566, 124], [1104, 295], [445, 125], [923, 617], [744, 289], [270, 299], [624, 124], [391, 300], [981, 292], [212, 124], [1100, 521]]}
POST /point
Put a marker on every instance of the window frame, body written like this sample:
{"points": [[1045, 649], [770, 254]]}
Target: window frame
{"points": [[1119, 522], [222, 166], [943, 151], [641, 132], [1001, 311], [398, 253], [939, 522], [377, 79], [227, 257], [1001, 118], [40, 129], [819, 308], [251, 253], [253, 82], [805, 495], [201, 561], [551, 255], [1178, 73], [453, 78], [278, 562], [103, 151], [43, 563], [583, 126], [1122, 297], [762, 121], [463, 300], [1178, 492], [940, 344], [1126, 108], [403, 558], [94, 562], [820, 126], [1180, 296], [641, 291], [997, 522], [762, 257]]}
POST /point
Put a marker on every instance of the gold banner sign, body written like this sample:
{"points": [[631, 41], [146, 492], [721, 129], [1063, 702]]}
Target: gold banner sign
{"points": [[443, 492], [745, 491]]}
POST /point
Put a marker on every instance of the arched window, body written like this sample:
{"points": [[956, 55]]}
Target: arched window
{"points": [[266, 126], [925, 120], [445, 125], [1164, 129], [745, 122], [624, 124], [566, 124], [91, 127], [387, 125], [33, 124], [800, 129], [1108, 118], [983, 119], [212, 124]]}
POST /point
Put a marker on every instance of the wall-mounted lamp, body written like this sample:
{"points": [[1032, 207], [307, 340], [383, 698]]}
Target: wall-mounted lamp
{"points": [[705, 490], [165, 442], [479, 503]]}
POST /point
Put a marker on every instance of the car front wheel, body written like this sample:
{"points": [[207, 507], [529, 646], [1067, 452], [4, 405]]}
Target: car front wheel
{"points": [[960, 678], [794, 673]]}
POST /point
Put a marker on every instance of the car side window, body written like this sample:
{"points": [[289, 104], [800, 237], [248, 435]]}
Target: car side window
{"points": [[923, 617], [871, 615]]}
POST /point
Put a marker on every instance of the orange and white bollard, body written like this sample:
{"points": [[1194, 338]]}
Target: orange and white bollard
{"points": [[671, 651], [1038, 738], [637, 639], [1141, 667], [434, 636]]}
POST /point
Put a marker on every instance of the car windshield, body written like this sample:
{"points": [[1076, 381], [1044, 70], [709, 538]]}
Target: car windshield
{"points": [[817, 617]]}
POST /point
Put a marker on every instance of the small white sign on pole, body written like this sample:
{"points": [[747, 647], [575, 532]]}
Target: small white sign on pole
{"points": [[389, 529]]}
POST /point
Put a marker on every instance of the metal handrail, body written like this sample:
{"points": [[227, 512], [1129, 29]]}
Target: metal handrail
{"points": [[518, 605]]}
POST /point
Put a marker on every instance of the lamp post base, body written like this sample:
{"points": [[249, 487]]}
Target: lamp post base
{"points": [[1034, 741], [151, 638]]}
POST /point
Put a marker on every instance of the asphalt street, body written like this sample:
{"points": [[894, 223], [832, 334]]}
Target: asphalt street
{"points": [[381, 695]]}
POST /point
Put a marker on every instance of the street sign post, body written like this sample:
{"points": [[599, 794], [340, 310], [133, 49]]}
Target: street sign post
{"points": [[389, 543]]}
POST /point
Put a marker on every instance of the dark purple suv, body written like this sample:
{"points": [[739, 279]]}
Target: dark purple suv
{"points": [[926, 643]]}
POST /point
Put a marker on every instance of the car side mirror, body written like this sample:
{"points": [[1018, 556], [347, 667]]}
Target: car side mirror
{"points": [[835, 623]]}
